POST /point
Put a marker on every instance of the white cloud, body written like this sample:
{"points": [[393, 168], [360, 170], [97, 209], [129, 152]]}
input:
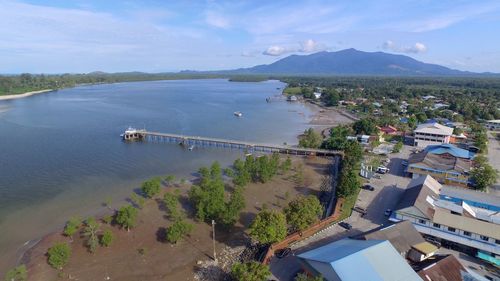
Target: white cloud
{"points": [[307, 46], [277, 51], [216, 20], [311, 46], [417, 48]]}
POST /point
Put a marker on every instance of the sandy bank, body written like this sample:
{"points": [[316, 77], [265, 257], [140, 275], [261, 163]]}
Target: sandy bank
{"points": [[11, 97]]}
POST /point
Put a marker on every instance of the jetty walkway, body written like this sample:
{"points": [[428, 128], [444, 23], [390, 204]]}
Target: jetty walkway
{"points": [[195, 141]]}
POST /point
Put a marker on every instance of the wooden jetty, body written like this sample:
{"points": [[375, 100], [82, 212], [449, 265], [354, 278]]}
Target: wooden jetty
{"points": [[250, 147]]}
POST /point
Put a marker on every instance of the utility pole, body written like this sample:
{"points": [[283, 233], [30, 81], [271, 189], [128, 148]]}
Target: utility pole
{"points": [[213, 239]]}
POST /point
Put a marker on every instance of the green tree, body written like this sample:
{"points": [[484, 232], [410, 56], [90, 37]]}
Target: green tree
{"points": [[107, 238], [18, 273], [90, 231], [303, 211], [286, 165], [397, 147], [170, 179], [305, 277], [58, 255], [365, 126], [151, 187], [178, 230], [338, 138], [126, 217], [233, 207], [268, 227], [171, 200], [250, 271], [72, 227], [311, 139], [484, 176]]}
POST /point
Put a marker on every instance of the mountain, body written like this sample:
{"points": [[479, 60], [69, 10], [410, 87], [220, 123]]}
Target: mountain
{"points": [[353, 62]]}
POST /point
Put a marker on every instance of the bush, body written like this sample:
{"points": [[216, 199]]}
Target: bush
{"points": [[58, 255], [107, 238], [269, 227], [126, 217], [151, 187], [250, 271], [18, 273], [107, 219], [397, 147], [178, 230], [303, 212], [72, 226]]}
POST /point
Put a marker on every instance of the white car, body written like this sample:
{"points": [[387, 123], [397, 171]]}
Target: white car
{"points": [[382, 170]]}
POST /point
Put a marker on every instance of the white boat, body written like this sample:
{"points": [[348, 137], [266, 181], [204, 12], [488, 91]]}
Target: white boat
{"points": [[238, 114], [191, 147]]}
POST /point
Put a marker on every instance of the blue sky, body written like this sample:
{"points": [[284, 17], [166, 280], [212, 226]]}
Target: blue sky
{"points": [[82, 36]]}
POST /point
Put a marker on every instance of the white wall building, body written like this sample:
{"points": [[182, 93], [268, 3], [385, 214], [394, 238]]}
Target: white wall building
{"points": [[493, 125], [432, 133], [474, 224]]}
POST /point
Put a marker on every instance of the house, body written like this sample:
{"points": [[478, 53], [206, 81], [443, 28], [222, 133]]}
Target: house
{"points": [[402, 235], [389, 130], [471, 222], [429, 97], [431, 133], [446, 268], [317, 95], [493, 125], [292, 98], [354, 260], [447, 163]]}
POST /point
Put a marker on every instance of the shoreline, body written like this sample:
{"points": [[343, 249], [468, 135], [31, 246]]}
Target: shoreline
{"points": [[27, 94]]}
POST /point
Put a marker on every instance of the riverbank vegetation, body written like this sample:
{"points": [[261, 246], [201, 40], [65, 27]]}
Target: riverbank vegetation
{"points": [[253, 203]]}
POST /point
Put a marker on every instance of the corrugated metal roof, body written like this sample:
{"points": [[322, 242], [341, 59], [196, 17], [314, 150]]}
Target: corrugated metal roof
{"points": [[425, 248], [402, 235], [450, 149], [434, 128], [354, 260]]}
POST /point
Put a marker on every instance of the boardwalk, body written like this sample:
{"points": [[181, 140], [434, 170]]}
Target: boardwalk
{"points": [[233, 144]]}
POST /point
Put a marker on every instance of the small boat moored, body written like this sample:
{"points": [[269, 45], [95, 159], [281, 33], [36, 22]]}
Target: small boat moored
{"points": [[238, 113]]}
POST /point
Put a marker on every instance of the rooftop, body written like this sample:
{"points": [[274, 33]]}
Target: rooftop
{"points": [[434, 128], [402, 235], [442, 268], [451, 149], [350, 259], [428, 160]]}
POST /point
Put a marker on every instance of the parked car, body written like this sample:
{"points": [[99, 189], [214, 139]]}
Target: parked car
{"points": [[382, 170], [368, 187], [388, 212], [283, 253], [345, 225], [359, 210]]}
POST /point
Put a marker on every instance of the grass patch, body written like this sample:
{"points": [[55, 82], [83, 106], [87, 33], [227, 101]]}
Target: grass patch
{"points": [[292, 91], [349, 203]]}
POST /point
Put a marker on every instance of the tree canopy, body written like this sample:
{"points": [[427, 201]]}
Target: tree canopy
{"points": [[303, 211], [250, 271], [269, 227], [58, 255], [126, 217], [151, 187]]}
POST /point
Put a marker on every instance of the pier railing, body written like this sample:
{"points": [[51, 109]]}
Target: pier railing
{"points": [[234, 144]]}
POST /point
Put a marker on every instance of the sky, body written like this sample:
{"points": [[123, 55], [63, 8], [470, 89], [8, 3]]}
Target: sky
{"points": [[59, 36]]}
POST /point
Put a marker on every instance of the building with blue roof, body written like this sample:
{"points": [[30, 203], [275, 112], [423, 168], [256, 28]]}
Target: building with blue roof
{"points": [[447, 163], [355, 260], [450, 149]]}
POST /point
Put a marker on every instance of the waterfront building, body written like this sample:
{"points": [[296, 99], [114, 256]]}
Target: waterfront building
{"points": [[432, 133], [466, 219]]}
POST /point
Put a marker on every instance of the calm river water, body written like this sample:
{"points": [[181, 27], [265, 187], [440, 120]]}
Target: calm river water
{"points": [[61, 154]]}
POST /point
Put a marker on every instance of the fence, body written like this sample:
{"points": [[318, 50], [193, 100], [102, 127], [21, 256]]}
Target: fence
{"points": [[301, 235]]}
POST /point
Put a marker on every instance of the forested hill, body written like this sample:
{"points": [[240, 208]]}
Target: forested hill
{"points": [[354, 62]]}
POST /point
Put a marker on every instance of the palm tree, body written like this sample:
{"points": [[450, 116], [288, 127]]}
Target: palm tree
{"points": [[91, 229]]}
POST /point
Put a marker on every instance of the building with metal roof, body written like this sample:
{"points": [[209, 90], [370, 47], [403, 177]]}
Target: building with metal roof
{"points": [[452, 219], [445, 162], [354, 260], [432, 133]]}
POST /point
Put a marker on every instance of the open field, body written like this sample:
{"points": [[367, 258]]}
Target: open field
{"points": [[161, 260]]}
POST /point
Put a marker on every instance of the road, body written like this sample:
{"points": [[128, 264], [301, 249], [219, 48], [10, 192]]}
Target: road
{"points": [[494, 157], [388, 191]]}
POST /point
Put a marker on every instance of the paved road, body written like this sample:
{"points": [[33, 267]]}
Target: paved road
{"points": [[494, 157], [388, 191]]}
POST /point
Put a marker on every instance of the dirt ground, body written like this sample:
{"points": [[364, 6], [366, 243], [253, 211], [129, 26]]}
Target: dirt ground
{"points": [[161, 260], [326, 117]]}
